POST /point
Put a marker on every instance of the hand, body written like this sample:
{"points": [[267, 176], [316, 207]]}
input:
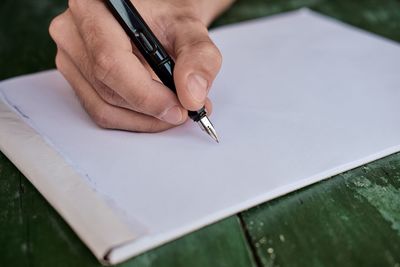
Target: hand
{"points": [[114, 83]]}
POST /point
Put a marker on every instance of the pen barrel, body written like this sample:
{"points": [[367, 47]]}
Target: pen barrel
{"points": [[148, 45]]}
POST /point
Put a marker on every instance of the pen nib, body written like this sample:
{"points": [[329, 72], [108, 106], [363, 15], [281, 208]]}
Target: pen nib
{"points": [[206, 125]]}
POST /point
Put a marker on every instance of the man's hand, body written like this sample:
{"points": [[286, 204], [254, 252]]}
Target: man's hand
{"points": [[114, 83]]}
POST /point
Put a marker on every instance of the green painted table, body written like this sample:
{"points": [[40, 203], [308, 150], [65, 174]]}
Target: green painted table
{"points": [[352, 219]]}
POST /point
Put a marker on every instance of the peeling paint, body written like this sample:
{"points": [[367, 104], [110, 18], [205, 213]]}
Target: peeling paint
{"points": [[384, 198]]}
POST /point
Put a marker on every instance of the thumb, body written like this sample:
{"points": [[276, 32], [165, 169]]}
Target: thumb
{"points": [[198, 62]]}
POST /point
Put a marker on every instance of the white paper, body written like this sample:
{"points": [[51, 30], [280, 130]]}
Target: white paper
{"points": [[300, 98]]}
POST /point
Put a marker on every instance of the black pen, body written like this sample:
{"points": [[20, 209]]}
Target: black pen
{"points": [[154, 53]]}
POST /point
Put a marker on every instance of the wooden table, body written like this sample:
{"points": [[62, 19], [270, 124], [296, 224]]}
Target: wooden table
{"points": [[352, 219]]}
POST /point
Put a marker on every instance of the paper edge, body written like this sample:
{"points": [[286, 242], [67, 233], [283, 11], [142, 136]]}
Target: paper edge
{"points": [[124, 252], [61, 185]]}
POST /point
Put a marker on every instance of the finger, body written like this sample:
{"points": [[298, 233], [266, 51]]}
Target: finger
{"points": [[198, 61], [209, 106], [65, 34], [116, 66], [102, 113]]}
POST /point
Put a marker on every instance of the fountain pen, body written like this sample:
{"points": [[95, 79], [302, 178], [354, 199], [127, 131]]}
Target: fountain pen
{"points": [[154, 53]]}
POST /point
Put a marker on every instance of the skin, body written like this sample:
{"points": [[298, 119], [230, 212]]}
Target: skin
{"points": [[113, 82]]}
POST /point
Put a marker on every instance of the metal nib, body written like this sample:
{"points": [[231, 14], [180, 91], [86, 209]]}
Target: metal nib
{"points": [[206, 125]]}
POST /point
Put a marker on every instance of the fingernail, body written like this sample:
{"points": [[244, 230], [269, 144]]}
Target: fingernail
{"points": [[197, 87], [173, 115]]}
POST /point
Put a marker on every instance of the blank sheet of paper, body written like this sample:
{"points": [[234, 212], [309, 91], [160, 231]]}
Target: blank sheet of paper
{"points": [[300, 98]]}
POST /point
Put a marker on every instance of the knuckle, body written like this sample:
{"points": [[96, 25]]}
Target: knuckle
{"points": [[211, 55], [56, 26], [73, 4], [119, 101], [190, 21], [198, 40], [217, 59], [85, 66], [216, 54], [92, 31], [100, 117], [104, 63], [84, 103], [209, 49], [106, 93], [140, 101], [59, 62], [109, 95]]}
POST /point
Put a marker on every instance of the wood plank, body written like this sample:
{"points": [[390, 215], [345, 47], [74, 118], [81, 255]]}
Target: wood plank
{"points": [[221, 244], [378, 16], [352, 219], [13, 226]]}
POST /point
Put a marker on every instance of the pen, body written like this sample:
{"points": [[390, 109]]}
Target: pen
{"points": [[154, 53]]}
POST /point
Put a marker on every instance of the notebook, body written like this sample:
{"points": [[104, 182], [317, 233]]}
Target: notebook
{"points": [[300, 97]]}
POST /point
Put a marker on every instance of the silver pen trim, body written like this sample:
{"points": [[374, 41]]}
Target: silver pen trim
{"points": [[206, 125]]}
